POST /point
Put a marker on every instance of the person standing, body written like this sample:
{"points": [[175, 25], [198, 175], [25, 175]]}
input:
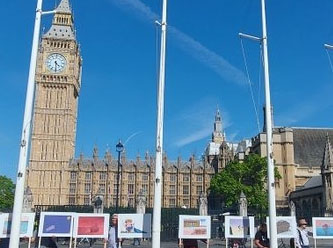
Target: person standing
{"points": [[302, 237], [261, 240], [113, 232]]}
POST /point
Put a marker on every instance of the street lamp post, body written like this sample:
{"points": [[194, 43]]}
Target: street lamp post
{"points": [[119, 149]]}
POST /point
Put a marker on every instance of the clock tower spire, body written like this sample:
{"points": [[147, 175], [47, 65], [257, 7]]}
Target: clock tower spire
{"points": [[58, 82]]}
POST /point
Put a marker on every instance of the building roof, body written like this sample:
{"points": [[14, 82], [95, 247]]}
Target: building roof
{"points": [[309, 145], [313, 182]]}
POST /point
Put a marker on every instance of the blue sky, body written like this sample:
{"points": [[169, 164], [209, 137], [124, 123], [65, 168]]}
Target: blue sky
{"points": [[204, 69]]}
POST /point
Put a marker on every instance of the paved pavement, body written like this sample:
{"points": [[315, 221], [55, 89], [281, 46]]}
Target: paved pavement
{"points": [[173, 244]]}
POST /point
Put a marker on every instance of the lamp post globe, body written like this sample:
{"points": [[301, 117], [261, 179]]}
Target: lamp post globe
{"points": [[119, 149]]}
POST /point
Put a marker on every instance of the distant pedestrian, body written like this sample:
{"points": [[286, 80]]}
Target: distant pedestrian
{"points": [[302, 237], [261, 240]]}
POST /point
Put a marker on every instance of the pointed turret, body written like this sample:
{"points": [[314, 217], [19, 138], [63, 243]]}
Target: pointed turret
{"points": [[327, 164], [217, 135], [62, 24], [64, 7]]}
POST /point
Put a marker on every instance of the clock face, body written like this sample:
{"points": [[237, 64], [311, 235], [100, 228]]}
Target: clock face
{"points": [[56, 62]]}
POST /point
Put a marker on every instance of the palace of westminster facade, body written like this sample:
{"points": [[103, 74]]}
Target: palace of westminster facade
{"points": [[55, 177]]}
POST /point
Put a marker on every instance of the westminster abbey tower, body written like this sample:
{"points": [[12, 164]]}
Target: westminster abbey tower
{"points": [[58, 79]]}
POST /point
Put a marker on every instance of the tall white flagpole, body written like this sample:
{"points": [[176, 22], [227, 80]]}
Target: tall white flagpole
{"points": [[159, 136], [269, 137], [25, 136]]}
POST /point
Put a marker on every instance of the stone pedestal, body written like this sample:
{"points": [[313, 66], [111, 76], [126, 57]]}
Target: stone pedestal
{"points": [[242, 205]]}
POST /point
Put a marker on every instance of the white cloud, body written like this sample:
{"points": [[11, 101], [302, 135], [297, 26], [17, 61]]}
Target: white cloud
{"points": [[194, 48], [196, 122]]}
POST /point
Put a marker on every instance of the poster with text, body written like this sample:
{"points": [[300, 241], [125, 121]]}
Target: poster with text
{"points": [[239, 227], [194, 227], [322, 227], [286, 227], [56, 224], [26, 226], [91, 225]]}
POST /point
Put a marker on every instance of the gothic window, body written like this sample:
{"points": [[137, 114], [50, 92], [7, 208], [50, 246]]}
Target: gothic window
{"points": [[115, 189], [102, 188], [131, 177], [102, 176], [71, 200], [87, 188], [199, 190], [86, 200], [186, 178], [131, 202], [199, 178], [172, 190], [130, 189], [88, 176], [145, 188], [72, 188], [173, 178], [73, 175], [172, 202], [145, 177], [186, 190]]}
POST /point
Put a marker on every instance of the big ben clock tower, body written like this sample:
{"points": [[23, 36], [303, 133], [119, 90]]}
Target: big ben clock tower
{"points": [[58, 79]]}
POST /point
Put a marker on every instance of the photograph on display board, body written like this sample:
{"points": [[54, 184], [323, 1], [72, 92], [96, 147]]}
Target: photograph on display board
{"points": [[91, 225], [286, 226], [56, 224], [194, 227], [134, 225], [26, 225], [322, 228], [239, 227]]}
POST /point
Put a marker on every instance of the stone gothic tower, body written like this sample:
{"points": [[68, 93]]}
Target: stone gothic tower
{"points": [[327, 177], [217, 135], [58, 81]]}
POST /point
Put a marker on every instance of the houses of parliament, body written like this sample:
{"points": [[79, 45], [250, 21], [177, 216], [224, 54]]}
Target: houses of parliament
{"points": [[56, 177]]}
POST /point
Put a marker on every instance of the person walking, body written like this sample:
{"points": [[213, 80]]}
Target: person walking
{"points": [[302, 237], [261, 240]]}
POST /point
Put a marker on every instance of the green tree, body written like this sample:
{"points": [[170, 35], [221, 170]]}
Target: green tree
{"points": [[249, 176], [7, 189]]}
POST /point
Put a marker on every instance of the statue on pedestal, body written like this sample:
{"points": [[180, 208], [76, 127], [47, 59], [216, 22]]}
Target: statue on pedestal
{"points": [[203, 204], [27, 200], [141, 203]]}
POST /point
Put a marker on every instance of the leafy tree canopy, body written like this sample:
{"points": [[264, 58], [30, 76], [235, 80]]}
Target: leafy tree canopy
{"points": [[249, 176], [7, 189]]}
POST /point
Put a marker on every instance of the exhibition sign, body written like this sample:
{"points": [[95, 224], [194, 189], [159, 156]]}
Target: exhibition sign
{"points": [[26, 225], [91, 225], [56, 224], [322, 227], [194, 227], [134, 225], [286, 226], [239, 227]]}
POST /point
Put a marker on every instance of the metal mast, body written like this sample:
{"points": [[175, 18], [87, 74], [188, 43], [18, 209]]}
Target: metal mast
{"points": [[269, 137], [26, 129], [159, 136]]}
